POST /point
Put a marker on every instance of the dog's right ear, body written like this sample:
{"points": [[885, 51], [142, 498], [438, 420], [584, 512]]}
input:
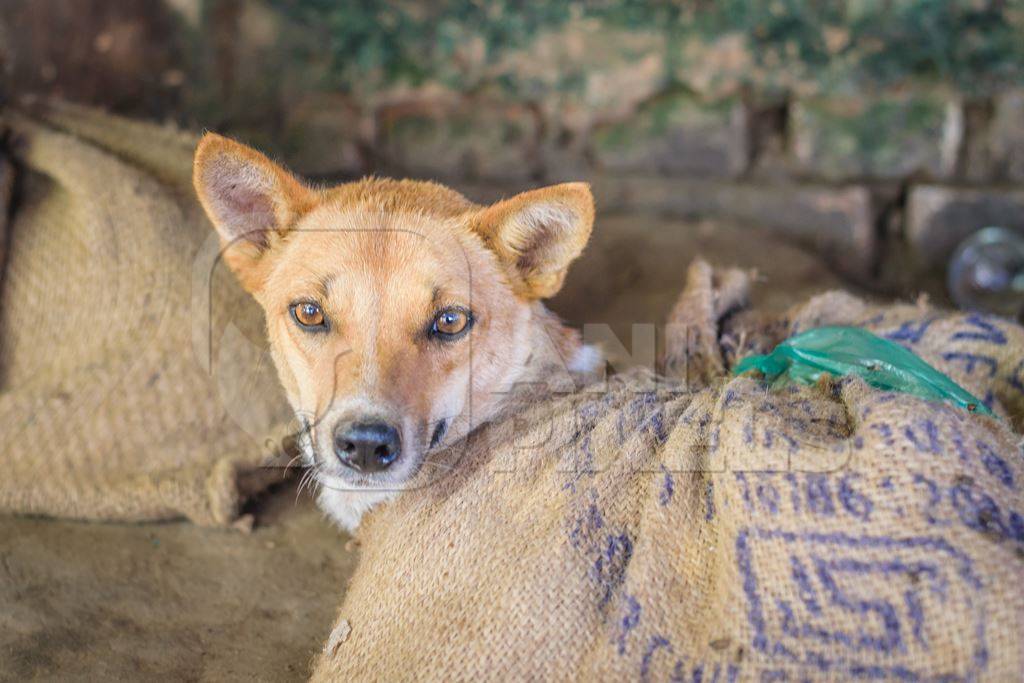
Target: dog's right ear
{"points": [[251, 201]]}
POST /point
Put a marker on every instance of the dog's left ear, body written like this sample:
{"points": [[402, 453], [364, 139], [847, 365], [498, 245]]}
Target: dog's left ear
{"points": [[537, 234]]}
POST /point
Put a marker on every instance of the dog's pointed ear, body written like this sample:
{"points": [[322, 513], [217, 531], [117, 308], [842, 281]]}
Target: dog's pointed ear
{"points": [[537, 234], [250, 200]]}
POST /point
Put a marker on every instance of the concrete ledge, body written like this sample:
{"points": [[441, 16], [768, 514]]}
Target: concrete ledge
{"points": [[939, 218]]}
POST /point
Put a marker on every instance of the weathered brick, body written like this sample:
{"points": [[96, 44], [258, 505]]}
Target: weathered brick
{"points": [[1006, 139], [462, 139], [939, 218], [876, 137], [588, 68], [839, 223], [677, 134]]}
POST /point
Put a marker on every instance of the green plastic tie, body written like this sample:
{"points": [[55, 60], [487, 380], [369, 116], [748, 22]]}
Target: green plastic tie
{"points": [[843, 351]]}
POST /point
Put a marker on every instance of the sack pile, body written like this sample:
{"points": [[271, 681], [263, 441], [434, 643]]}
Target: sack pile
{"points": [[131, 380], [711, 530]]}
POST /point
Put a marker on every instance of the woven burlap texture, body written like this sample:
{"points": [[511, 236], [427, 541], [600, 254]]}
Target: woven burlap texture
{"points": [[716, 531], [132, 379]]}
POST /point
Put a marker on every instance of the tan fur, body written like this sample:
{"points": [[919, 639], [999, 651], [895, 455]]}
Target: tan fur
{"points": [[381, 257]]}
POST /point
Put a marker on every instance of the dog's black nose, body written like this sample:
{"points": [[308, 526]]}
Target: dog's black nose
{"points": [[367, 447]]}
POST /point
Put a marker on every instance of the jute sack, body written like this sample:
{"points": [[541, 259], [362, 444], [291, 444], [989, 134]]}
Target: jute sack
{"points": [[127, 354], [656, 531]]}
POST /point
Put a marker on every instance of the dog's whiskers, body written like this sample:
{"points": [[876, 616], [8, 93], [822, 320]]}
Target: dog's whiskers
{"points": [[292, 462], [309, 480]]}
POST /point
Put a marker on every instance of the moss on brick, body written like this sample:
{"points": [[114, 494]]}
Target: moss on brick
{"points": [[971, 45], [880, 137], [677, 133]]}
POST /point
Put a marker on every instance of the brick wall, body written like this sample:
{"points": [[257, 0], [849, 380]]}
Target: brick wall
{"points": [[885, 185], [846, 126]]}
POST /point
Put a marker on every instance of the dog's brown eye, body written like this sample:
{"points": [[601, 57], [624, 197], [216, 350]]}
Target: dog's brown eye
{"points": [[308, 314], [451, 323]]}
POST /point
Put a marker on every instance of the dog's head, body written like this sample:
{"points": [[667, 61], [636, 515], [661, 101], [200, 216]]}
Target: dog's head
{"points": [[394, 308]]}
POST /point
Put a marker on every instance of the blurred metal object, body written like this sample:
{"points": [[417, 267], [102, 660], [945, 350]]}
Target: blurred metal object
{"points": [[986, 273]]}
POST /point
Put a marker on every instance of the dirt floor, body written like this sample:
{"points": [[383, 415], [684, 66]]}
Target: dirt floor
{"points": [[176, 601], [144, 601]]}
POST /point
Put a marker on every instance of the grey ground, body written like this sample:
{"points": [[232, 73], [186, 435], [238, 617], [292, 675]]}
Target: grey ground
{"points": [[145, 601]]}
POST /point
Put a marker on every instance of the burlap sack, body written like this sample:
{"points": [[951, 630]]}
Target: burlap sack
{"points": [[127, 355], [715, 534]]}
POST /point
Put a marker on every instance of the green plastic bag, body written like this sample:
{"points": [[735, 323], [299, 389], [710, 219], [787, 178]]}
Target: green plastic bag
{"points": [[841, 351]]}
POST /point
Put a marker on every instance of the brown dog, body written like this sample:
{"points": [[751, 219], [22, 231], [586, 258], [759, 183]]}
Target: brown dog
{"points": [[399, 312]]}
